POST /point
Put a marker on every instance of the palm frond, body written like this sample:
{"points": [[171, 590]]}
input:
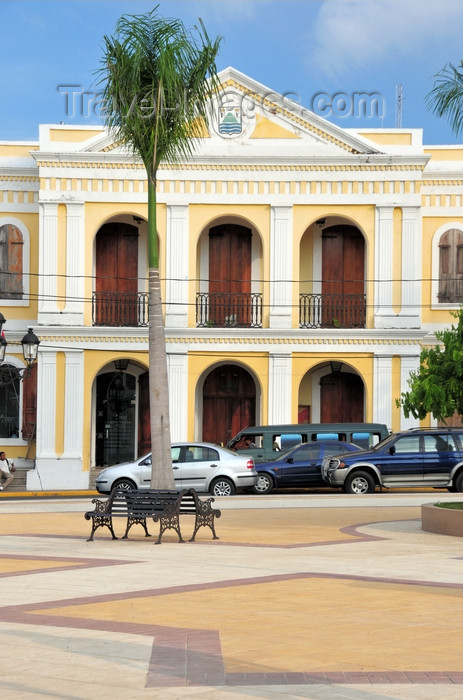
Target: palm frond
{"points": [[157, 78], [446, 97]]}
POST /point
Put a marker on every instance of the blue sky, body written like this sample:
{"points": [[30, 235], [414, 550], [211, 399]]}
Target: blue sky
{"points": [[302, 47]]}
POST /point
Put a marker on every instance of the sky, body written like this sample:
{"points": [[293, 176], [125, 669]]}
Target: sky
{"points": [[324, 54]]}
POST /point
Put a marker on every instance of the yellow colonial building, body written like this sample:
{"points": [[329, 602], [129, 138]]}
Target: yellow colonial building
{"points": [[303, 265]]}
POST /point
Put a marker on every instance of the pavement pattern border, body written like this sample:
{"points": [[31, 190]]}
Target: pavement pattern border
{"points": [[189, 657]]}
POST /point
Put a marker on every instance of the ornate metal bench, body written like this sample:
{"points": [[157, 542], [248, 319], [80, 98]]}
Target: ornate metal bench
{"points": [[163, 506]]}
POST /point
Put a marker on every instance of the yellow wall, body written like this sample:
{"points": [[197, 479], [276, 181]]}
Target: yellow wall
{"points": [[202, 217], [360, 362], [200, 364], [359, 215], [95, 361]]}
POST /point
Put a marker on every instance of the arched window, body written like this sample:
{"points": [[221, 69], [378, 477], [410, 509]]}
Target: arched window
{"points": [[11, 262], [451, 267]]}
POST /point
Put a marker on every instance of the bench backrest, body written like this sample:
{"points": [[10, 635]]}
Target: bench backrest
{"points": [[145, 502]]}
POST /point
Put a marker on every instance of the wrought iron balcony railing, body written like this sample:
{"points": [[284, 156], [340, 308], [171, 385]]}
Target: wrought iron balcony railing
{"points": [[332, 311], [229, 309], [120, 309]]}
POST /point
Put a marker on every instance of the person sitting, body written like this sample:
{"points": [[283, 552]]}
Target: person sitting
{"points": [[6, 471], [248, 443]]}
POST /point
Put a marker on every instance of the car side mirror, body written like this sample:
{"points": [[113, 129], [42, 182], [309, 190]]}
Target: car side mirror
{"points": [[290, 460], [392, 450]]}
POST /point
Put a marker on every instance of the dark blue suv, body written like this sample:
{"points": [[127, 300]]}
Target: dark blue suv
{"points": [[419, 458], [301, 466]]}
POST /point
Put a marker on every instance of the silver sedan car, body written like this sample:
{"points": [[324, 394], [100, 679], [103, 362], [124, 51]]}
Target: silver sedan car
{"points": [[196, 465]]}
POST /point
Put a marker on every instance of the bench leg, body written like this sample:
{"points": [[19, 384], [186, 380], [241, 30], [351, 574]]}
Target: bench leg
{"points": [[135, 521], [204, 521], [101, 521], [169, 523]]}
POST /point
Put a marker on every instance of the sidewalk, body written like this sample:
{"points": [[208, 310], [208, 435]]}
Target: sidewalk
{"points": [[313, 596]]}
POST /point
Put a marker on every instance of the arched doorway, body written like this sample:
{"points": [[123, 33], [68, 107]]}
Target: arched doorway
{"points": [[341, 398], [230, 275], [115, 418], [343, 271], [229, 403], [116, 275]]}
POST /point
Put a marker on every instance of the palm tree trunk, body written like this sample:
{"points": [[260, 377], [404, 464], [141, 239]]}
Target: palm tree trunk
{"points": [[162, 474]]}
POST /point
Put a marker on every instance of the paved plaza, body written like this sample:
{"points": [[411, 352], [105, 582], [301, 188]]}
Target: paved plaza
{"points": [[309, 595]]}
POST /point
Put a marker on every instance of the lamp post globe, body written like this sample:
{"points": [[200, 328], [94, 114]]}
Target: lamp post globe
{"points": [[30, 344]]}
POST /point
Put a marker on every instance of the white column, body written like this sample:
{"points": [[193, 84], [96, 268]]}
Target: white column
{"points": [[281, 271], [407, 365], [384, 272], [177, 367], [411, 267], [382, 390], [75, 248], [74, 405], [279, 388], [177, 255], [46, 404], [48, 260]]}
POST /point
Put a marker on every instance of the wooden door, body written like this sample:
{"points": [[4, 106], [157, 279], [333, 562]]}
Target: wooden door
{"points": [[144, 425], [29, 417], [229, 403], [341, 398], [343, 261], [11, 262], [230, 275], [116, 275], [451, 267]]}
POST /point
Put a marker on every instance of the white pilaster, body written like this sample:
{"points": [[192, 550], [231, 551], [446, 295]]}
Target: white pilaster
{"points": [[46, 404], [281, 256], [48, 260], [384, 267], [382, 390], [75, 244], [74, 405], [408, 364], [279, 388], [411, 267], [177, 367], [177, 254]]}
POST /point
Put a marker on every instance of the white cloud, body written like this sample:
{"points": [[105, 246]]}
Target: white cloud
{"points": [[352, 34]]}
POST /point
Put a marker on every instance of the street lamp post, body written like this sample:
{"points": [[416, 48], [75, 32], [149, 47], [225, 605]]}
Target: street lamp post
{"points": [[30, 345]]}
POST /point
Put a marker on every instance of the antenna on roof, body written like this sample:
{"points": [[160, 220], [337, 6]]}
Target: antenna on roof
{"points": [[398, 106]]}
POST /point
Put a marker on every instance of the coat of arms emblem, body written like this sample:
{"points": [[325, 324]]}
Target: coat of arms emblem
{"points": [[230, 117]]}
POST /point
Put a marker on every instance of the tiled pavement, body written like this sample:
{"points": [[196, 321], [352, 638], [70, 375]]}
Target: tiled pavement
{"points": [[304, 596]]}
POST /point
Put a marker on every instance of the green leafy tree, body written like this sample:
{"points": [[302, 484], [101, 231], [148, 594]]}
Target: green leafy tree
{"points": [[437, 386], [446, 97], [158, 79]]}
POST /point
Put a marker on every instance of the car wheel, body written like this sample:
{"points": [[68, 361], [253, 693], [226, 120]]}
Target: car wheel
{"points": [[360, 482], [222, 487], [264, 484], [124, 485], [458, 482]]}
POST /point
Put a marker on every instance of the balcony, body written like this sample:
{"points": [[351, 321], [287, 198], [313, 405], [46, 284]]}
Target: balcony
{"points": [[229, 310], [120, 309], [332, 311]]}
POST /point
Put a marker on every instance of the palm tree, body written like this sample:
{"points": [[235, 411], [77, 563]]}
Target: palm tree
{"points": [[158, 79], [446, 97]]}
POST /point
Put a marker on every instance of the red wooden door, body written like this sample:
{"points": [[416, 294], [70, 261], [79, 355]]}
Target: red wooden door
{"points": [[341, 398], [343, 255], [29, 417], [229, 403], [116, 275], [144, 426], [230, 275]]}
